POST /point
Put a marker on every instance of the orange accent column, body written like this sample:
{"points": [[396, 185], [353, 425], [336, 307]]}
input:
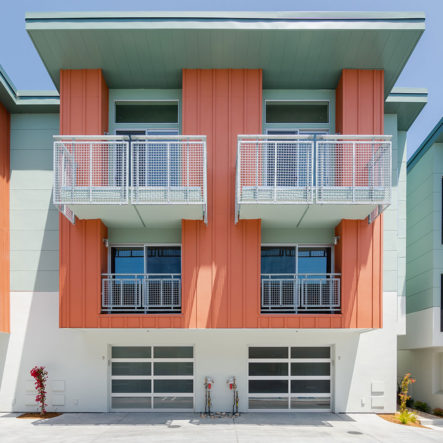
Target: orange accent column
{"points": [[359, 253], [83, 255], [221, 260], [4, 218]]}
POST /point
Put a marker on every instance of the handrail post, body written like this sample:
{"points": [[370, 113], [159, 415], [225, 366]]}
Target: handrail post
{"points": [[275, 171], [353, 171], [90, 172], [168, 146]]}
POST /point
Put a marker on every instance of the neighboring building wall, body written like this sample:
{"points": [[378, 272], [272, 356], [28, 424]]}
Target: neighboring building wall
{"points": [[425, 251], [426, 366], [34, 219], [4, 218]]}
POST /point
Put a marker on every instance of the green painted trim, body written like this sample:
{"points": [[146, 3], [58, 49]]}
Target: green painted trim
{"points": [[310, 16], [432, 138]]}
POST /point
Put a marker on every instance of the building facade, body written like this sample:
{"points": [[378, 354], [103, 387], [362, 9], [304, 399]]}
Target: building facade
{"points": [[421, 349], [211, 195]]}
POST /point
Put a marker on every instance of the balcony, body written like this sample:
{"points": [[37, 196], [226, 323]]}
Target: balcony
{"points": [[300, 293], [141, 293], [312, 181], [154, 180]]}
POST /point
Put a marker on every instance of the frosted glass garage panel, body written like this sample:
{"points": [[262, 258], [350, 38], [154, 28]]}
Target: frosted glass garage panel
{"points": [[131, 352], [131, 403], [173, 352], [173, 402], [131, 386], [132, 368], [268, 403]]}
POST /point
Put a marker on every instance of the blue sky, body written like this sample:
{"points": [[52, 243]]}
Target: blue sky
{"points": [[424, 69]]}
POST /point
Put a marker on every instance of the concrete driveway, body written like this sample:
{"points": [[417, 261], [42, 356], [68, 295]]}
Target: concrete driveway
{"points": [[175, 427]]}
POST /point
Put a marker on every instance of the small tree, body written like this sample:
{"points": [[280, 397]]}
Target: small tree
{"points": [[40, 375], [404, 387]]}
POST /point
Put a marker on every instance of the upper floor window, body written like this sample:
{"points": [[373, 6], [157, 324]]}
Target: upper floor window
{"points": [[295, 112], [147, 112], [295, 260], [155, 260]]}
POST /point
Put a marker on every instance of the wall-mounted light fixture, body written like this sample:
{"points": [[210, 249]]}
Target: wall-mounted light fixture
{"points": [[106, 242], [335, 240]]}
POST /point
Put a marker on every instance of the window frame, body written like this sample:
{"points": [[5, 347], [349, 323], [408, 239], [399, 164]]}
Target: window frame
{"points": [[301, 245], [147, 125], [144, 246], [298, 126]]}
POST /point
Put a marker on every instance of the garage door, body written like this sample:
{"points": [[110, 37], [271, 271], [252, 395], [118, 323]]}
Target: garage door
{"points": [[147, 378], [292, 378]]}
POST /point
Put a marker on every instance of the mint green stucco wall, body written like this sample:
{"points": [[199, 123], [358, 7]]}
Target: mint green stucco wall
{"points": [[33, 217], [424, 248]]}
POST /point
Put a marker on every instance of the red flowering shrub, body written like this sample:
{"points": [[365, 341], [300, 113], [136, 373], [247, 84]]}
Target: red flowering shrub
{"points": [[404, 387], [40, 375]]}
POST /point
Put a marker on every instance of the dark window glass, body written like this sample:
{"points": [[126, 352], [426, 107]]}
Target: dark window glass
{"points": [[131, 386], [127, 260], [173, 386], [310, 386], [277, 260], [297, 112], [268, 386], [314, 260], [268, 352], [131, 368], [143, 112], [268, 369], [131, 352], [313, 369], [307, 352], [163, 260], [173, 352], [183, 368]]}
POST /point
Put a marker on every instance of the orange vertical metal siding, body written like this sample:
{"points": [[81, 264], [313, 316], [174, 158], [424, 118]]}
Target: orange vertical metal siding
{"points": [[4, 219], [221, 260], [83, 257], [359, 254]]}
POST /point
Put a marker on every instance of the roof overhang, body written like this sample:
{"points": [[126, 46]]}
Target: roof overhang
{"points": [[26, 101], [407, 103], [303, 50], [435, 136]]}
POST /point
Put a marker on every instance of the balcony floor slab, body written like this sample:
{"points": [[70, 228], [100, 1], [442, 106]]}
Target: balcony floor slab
{"points": [[304, 216], [139, 216]]}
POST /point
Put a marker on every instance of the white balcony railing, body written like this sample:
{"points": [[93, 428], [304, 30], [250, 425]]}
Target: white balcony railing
{"points": [[300, 293], [151, 170], [353, 169], [91, 169], [169, 169], [333, 169], [141, 293]]}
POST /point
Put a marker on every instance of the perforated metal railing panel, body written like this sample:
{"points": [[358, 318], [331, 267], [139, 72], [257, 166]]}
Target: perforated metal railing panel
{"points": [[91, 170], [275, 169], [292, 293], [141, 293], [353, 171], [168, 169]]}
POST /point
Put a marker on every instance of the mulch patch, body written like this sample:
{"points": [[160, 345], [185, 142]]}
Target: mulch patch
{"points": [[36, 415], [393, 419]]}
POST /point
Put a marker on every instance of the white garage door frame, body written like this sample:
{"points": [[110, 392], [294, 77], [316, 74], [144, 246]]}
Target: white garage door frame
{"points": [[152, 378], [287, 396]]}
